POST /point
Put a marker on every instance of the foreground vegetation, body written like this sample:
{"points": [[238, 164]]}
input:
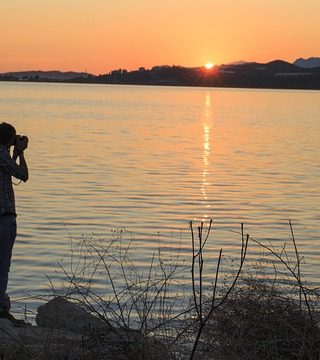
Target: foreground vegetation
{"points": [[256, 311]]}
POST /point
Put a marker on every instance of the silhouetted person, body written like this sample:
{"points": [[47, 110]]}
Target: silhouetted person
{"points": [[8, 228]]}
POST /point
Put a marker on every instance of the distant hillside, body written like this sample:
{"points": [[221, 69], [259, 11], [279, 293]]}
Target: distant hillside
{"points": [[279, 66], [276, 74], [310, 63], [46, 75], [273, 67]]}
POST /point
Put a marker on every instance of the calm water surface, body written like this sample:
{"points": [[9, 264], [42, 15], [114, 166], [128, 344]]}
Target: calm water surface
{"points": [[150, 159]]}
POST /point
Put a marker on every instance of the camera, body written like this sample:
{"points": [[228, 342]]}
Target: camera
{"points": [[19, 139]]}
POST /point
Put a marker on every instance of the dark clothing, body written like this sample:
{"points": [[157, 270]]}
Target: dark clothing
{"points": [[8, 227], [8, 232], [8, 168]]}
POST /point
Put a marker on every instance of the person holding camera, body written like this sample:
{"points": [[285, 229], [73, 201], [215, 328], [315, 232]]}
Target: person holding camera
{"points": [[10, 166]]}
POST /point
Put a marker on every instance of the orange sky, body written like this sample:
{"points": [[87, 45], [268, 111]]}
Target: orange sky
{"points": [[101, 35]]}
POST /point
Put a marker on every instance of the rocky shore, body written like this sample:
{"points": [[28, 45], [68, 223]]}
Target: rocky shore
{"points": [[65, 330]]}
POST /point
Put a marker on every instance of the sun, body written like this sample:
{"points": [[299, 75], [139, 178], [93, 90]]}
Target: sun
{"points": [[209, 65]]}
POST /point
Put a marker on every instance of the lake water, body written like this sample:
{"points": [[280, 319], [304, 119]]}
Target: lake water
{"points": [[148, 160]]}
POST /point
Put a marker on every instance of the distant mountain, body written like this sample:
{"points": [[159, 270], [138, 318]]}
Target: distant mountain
{"points": [[280, 66], [310, 63], [46, 75], [273, 67]]}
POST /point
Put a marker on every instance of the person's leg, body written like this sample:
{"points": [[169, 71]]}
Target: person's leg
{"points": [[8, 232]]}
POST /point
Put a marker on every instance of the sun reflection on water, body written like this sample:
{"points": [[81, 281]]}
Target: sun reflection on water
{"points": [[206, 155]]}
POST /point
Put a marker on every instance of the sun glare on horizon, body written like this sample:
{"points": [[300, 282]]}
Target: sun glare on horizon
{"points": [[209, 65]]}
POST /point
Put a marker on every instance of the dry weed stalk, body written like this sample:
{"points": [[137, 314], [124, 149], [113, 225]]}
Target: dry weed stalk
{"points": [[139, 300], [235, 315], [201, 306]]}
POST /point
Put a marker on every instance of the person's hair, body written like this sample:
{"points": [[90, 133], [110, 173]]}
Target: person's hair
{"points": [[7, 133]]}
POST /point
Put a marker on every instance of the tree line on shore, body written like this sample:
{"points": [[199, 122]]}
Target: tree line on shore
{"points": [[277, 74]]}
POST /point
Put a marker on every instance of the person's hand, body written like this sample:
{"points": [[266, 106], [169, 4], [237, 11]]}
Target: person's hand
{"points": [[21, 144]]}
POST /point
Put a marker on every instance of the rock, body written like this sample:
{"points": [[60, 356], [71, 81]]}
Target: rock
{"points": [[39, 335], [34, 342], [8, 333], [60, 313], [67, 331]]}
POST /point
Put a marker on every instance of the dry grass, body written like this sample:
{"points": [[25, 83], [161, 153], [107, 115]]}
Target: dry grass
{"points": [[262, 321], [247, 318]]}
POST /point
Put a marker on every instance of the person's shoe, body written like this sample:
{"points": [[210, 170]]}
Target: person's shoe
{"points": [[4, 314]]}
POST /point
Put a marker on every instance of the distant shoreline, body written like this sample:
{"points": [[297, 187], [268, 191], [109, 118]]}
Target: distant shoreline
{"points": [[277, 74], [165, 85]]}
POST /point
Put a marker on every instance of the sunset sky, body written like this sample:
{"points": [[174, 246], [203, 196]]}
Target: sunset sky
{"points": [[101, 35]]}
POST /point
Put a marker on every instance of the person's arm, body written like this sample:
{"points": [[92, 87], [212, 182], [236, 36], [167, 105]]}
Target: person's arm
{"points": [[8, 163], [23, 167]]}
